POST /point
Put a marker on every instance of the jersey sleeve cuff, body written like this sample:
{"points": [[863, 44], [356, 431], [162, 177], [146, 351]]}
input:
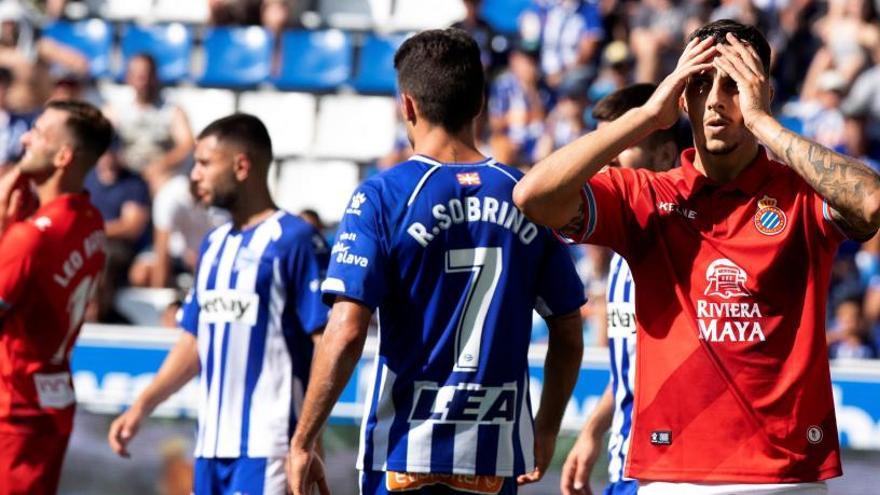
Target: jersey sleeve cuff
{"points": [[332, 287], [838, 227], [589, 224]]}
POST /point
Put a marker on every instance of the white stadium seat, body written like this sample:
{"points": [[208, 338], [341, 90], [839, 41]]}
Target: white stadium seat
{"points": [[202, 106], [192, 11], [425, 14], [358, 128], [290, 118], [355, 14], [125, 10], [323, 186]]}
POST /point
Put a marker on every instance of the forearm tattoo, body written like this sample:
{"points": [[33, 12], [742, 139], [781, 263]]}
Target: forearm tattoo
{"points": [[844, 182]]}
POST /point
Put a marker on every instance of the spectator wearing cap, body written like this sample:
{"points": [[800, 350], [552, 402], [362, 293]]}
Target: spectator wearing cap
{"points": [[123, 199], [616, 70], [568, 33], [155, 135], [518, 103]]}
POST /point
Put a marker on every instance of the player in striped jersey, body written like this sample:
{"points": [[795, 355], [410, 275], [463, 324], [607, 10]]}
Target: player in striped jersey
{"points": [[614, 410], [248, 323], [455, 271]]}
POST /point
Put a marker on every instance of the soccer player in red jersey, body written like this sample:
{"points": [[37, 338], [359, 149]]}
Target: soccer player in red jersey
{"points": [[50, 262], [731, 254]]}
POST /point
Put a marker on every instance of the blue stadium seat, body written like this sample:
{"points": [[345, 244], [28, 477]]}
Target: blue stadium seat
{"points": [[504, 14], [91, 37], [314, 60], [236, 57], [169, 44], [376, 65]]}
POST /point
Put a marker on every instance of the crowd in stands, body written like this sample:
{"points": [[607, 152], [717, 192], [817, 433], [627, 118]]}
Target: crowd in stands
{"points": [[546, 73]]}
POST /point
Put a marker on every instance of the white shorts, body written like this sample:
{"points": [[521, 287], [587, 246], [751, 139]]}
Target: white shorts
{"points": [[664, 488]]}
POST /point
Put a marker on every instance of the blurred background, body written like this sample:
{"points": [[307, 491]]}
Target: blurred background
{"points": [[319, 73]]}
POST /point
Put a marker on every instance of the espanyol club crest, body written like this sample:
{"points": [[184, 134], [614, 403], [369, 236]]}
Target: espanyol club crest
{"points": [[769, 220]]}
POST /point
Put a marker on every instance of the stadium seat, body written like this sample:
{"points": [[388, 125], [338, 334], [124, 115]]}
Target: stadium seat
{"points": [[236, 57], [323, 186], [425, 14], [126, 10], [504, 14], [169, 44], [202, 106], [91, 37], [314, 60], [290, 118], [355, 14], [191, 11], [376, 65], [355, 127]]}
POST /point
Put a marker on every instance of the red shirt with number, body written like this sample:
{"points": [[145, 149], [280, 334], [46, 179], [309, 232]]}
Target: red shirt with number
{"points": [[732, 376], [49, 267]]}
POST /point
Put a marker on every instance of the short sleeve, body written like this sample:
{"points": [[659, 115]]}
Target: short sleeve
{"points": [[18, 252], [608, 200], [188, 315], [560, 290], [138, 192], [359, 255], [306, 267], [820, 218]]}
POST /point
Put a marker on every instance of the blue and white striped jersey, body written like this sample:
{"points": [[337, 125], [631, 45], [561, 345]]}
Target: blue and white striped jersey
{"points": [[255, 302], [455, 270], [621, 298]]}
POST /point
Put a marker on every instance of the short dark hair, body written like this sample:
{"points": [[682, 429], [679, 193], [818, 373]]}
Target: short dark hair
{"points": [[245, 131], [441, 70], [90, 129], [617, 103], [745, 33]]}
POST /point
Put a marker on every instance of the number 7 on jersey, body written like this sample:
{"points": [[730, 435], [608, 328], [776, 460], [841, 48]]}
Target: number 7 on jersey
{"points": [[486, 265]]}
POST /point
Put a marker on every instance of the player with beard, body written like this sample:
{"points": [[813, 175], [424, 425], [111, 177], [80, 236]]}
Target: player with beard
{"points": [[50, 262], [731, 254], [248, 323]]}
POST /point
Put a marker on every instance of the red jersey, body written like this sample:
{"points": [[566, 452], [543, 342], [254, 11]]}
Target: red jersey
{"points": [[732, 376], [49, 267]]}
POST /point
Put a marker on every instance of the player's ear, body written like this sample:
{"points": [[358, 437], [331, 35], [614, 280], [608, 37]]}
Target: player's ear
{"points": [[408, 108], [64, 156], [683, 104], [242, 167]]}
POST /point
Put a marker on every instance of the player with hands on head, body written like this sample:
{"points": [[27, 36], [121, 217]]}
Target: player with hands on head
{"points": [[733, 251], [51, 257]]}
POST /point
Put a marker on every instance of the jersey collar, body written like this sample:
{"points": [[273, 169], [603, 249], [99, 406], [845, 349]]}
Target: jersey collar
{"points": [[431, 161], [749, 181]]}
